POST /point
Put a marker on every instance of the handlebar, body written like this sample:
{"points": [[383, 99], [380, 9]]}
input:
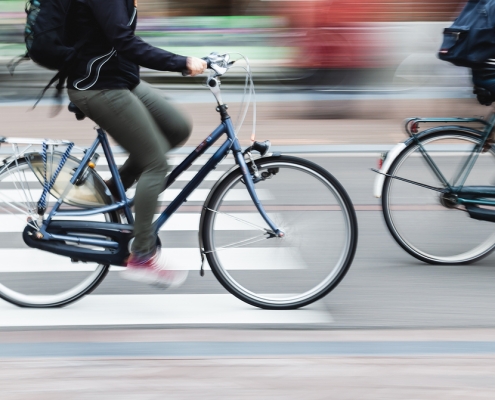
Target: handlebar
{"points": [[219, 63]]}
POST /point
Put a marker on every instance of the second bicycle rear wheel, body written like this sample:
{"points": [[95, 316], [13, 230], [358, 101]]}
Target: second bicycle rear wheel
{"points": [[313, 210], [426, 223]]}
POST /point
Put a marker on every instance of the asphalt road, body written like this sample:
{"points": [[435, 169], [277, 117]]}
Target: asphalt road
{"points": [[384, 288], [394, 328]]}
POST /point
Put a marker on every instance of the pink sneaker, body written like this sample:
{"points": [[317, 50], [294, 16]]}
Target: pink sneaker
{"points": [[154, 271]]}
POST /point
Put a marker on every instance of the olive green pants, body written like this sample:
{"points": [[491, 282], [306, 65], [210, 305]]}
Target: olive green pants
{"points": [[145, 124]]}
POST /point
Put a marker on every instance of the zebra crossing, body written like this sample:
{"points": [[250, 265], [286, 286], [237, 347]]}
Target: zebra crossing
{"points": [[200, 302]]}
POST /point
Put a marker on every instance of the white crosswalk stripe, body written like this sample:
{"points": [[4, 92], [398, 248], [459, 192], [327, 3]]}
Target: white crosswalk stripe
{"points": [[172, 309], [173, 161], [12, 195], [31, 260], [186, 176], [177, 222]]}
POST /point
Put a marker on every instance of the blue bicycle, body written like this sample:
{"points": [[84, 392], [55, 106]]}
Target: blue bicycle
{"points": [[278, 232]]}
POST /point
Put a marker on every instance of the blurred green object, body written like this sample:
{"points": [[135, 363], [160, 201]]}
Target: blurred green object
{"points": [[12, 5], [222, 22], [11, 49], [176, 34]]}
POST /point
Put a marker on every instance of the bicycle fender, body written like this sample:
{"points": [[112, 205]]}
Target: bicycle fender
{"points": [[390, 157]]}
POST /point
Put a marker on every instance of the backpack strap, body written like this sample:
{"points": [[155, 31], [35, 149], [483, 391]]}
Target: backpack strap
{"points": [[12, 65], [61, 76], [56, 77]]}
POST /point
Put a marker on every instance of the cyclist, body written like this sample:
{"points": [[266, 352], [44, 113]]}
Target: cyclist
{"points": [[104, 83]]}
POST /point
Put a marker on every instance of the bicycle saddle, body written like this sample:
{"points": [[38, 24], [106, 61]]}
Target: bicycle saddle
{"points": [[75, 109]]}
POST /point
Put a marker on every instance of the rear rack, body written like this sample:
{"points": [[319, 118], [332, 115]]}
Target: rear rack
{"points": [[411, 125]]}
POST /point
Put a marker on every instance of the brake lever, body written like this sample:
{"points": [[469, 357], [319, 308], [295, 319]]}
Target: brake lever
{"points": [[218, 63]]}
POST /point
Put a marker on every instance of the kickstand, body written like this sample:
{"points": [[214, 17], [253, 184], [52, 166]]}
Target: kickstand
{"points": [[202, 271]]}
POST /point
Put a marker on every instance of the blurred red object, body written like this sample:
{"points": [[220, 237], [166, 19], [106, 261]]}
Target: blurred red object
{"points": [[336, 34]]}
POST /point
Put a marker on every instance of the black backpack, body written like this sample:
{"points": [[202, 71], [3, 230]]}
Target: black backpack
{"points": [[470, 40], [47, 39], [45, 33]]}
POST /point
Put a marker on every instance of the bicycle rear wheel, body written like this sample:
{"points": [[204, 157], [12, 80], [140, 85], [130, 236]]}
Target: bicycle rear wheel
{"points": [[31, 277], [313, 210], [423, 221]]}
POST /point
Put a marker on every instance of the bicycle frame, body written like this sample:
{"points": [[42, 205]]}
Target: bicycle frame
{"points": [[231, 144]]}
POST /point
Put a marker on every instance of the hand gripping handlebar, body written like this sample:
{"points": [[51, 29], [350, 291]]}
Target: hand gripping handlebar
{"points": [[219, 63]]}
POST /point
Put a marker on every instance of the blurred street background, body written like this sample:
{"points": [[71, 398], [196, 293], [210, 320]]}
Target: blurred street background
{"points": [[326, 45], [334, 80]]}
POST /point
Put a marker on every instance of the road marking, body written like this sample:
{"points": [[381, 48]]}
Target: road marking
{"points": [[173, 161], [186, 258], [13, 195], [32, 260], [223, 222], [235, 348], [185, 176], [177, 222], [201, 194], [15, 223], [170, 309]]}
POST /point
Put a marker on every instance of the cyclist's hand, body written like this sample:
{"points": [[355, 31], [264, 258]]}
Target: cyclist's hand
{"points": [[195, 66]]}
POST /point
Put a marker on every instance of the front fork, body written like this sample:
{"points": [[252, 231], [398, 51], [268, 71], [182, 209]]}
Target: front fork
{"points": [[248, 181]]}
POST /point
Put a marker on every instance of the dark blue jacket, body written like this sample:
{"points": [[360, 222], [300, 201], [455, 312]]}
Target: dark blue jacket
{"points": [[109, 54]]}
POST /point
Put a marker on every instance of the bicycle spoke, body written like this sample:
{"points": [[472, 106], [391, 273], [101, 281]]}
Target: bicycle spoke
{"points": [[19, 218], [22, 182], [239, 219], [241, 243]]}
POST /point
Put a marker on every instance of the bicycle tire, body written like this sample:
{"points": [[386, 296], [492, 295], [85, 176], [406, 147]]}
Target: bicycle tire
{"points": [[425, 223], [270, 275], [19, 179]]}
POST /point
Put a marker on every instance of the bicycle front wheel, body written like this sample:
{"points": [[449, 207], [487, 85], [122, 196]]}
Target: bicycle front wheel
{"points": [[424, 222], [313, 210], [35, 278]]}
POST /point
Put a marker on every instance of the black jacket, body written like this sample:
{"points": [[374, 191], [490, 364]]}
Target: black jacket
{"points": [[109, 54]]}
